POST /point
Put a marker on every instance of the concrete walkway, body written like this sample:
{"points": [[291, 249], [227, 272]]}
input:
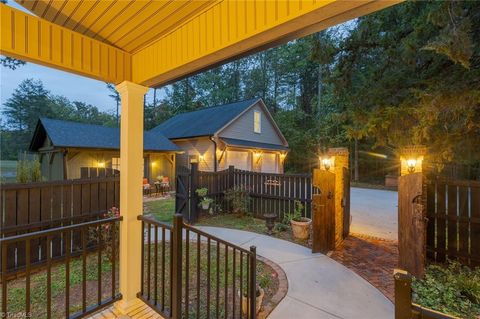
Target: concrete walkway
{"points": [[318, 287]]}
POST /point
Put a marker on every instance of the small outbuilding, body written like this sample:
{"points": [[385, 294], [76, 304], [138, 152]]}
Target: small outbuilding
{"points": [[65, 147]]}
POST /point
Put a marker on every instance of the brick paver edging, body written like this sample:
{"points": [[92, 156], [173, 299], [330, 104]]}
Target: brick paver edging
{"points": [[282, 288]]}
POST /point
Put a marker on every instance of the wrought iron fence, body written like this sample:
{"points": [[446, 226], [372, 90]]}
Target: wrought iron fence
{"points": [[188, 273], [70, 285]]}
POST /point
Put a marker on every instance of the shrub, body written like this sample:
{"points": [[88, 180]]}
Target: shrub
{"points": [[238, 199], [295, 215], [452, 289], [28, 170]]}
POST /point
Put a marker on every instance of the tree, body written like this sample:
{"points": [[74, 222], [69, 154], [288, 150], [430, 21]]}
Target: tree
{"points": [[116, 97]]}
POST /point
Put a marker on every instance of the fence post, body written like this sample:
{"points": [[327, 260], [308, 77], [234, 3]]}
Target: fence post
{"points": [[253, 282], [193, 214], [177, 241], [403, 294], [231, 177]]}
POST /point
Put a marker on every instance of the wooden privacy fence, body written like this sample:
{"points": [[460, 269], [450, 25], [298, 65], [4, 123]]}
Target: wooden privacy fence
{"points": [[453, 214], [39, 206], [269, 192]]}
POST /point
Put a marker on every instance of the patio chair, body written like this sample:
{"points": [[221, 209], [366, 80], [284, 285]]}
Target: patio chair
{"points": [[146, 187], [165, 184]]}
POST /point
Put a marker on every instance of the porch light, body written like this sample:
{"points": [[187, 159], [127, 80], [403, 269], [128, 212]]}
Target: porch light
{"points": [[327, 163], [257, 154], [154, 163], [411, 164], [201, 158], [101, 164]]}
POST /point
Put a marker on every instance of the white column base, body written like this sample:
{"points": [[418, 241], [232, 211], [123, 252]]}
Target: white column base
{"points": [[126, 306]]}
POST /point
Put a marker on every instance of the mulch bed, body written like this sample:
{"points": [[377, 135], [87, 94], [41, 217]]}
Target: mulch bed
{"points": [[372, 258]]}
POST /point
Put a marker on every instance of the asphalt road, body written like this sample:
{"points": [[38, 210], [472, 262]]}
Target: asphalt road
{"points": [[374, 212]]}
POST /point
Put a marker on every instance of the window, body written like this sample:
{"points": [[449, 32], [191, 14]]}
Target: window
{"points": [[116, 163], [257, 122]]}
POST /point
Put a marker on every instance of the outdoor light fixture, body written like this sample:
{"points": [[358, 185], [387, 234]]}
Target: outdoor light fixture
{"points": [[101, 164], [154, 163], [201, 158], [327, 163], [411, 163]]}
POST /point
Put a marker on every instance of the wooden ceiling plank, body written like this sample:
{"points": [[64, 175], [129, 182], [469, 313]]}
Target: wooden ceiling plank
{"points": [[127, 18], [89, 25], [171, 23], [113, 13], [142, 17], [83, 10], [171, 7]]}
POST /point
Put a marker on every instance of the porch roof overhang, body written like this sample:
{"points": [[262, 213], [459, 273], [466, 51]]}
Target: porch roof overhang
{"points": [[153, 43], [233, 142]]}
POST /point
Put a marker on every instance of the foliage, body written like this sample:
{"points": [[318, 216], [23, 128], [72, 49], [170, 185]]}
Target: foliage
{"points": [[238, 198], [453, 289], [30, 101], [28, 170], [202, 192], [103, 233], [296, 215]]}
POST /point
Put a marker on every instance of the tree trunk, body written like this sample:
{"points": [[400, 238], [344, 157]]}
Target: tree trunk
{"points": [[356, 160]]}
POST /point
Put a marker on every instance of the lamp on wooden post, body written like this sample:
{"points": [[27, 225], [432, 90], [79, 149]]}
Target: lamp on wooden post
{"points": [[411, 212]]}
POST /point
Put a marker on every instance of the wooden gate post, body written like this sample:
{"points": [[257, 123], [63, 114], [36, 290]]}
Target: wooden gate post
{"points": [[323, 212], [194, 183], [411, 212], [339, 166]]}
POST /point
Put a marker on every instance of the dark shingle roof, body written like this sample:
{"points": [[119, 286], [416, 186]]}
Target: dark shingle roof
{"points": [[252, 144], [74, 134], [203, 122]]}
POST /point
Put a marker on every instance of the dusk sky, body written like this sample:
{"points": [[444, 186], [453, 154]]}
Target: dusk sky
{"points": [[74, 87]]}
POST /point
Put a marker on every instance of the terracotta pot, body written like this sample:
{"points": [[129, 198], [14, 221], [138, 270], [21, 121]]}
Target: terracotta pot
{"points": [[258, 302], [301, 229]]}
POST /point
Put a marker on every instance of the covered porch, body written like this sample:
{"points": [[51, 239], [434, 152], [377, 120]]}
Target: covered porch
{"points": [[139, 45]]}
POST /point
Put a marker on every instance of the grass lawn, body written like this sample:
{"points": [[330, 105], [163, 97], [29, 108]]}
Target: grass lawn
{"points": [[163, 211], [204, 264], [16, 289]]}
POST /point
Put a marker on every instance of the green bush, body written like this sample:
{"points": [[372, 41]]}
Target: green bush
{"points": [[28, 170], [238, 199], [452, 289]]}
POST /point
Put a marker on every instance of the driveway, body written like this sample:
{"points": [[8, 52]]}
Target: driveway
{"points": [[374, 212], [318, 287]]}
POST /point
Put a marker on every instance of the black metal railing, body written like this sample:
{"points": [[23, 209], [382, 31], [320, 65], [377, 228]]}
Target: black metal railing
{"points": [[71, 285], [188, 273]]}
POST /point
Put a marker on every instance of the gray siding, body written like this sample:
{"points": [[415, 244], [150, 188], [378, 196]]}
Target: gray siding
{"points": [[242, 128], [197, 147]]}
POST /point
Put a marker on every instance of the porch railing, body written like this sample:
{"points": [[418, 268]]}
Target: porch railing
{"points": [[70, 285], [188, 273]]}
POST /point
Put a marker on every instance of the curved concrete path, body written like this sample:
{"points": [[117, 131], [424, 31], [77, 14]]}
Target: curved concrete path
{"points": [[318, 287]]}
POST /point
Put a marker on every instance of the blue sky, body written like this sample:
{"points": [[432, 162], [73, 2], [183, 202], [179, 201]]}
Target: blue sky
{"points": [[74, 87]]}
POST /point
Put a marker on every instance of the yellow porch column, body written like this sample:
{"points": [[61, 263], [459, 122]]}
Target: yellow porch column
{"points": [[131, 160]]}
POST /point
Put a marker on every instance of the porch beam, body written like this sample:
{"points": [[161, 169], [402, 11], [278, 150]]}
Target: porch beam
{"points": [[31, 39], [131, 196], [231, 29]]}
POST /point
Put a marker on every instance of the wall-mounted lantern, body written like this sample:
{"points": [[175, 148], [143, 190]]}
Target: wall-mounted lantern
{"points": [[101, 164], [201, 158], [411, 163], [327, 163]]}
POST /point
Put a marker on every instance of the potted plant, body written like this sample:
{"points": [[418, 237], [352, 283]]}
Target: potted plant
{"points": [[259, 294], [204, 200], [300, 225]]}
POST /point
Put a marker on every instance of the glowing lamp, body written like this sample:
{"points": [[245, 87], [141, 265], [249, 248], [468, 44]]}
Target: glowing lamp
{"points": [[411, 163], [201, 158], [101, 164], [327, 163]]}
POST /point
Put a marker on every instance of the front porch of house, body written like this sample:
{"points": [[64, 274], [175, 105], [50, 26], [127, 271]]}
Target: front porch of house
{"points": [[138, 45]]}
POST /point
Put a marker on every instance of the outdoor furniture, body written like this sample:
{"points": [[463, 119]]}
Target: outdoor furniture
{"points": [[146, 187], [165, 184]]}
